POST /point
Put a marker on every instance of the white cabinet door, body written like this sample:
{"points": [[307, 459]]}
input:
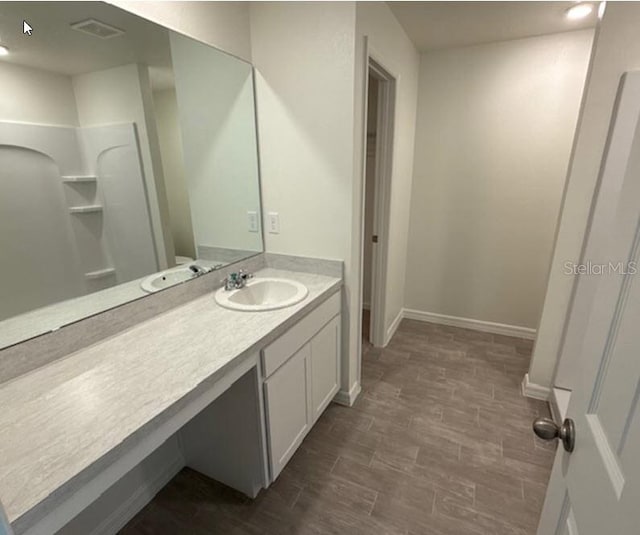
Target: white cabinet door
{"points": [[325, 367], [287, 405], [595, 490]]}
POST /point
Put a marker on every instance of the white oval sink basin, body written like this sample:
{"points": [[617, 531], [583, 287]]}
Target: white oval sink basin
{"points": [[262, 294], [164, 279]]}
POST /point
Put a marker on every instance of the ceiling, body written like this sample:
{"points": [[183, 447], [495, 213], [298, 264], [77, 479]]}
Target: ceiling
{"points": [[436, 25], [55, 47]]}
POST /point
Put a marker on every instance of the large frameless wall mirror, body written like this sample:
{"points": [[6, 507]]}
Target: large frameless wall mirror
{"points": [[128, 162]]}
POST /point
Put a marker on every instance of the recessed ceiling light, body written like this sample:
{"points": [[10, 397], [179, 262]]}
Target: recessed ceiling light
{"points": [[579, 11], [4, 51]]}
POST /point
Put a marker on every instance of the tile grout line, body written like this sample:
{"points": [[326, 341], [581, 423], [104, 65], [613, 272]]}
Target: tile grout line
{"points": [[298, 494], [373, 504]]}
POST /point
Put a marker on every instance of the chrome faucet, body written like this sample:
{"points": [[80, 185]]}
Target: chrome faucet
{"points": [[238, 280]]}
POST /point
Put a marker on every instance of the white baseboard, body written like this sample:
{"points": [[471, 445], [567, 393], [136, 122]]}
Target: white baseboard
{"points": [[348, 398], [468, 323], [559, 403], [393, 327], [535, 391]]}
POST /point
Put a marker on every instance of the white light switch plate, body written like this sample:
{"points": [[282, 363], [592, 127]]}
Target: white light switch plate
{"points": [[274, 222], [252, 218]]}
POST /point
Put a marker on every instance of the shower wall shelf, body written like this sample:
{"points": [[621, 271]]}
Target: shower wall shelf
{"points": [[73, 179], [90, 208], [100, 273]]}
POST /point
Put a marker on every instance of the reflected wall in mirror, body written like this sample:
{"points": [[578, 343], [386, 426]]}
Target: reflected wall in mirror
{"points": [[125, 150]]}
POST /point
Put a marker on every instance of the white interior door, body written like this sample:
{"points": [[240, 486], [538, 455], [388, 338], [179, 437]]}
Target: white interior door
{"points": [[596, 489]]}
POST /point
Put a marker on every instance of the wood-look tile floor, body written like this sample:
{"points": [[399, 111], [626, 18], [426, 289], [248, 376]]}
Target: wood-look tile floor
{"points": [[438, 443]]}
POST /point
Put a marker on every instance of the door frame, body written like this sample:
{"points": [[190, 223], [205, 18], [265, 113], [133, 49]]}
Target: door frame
{"points": [[383, 173]]}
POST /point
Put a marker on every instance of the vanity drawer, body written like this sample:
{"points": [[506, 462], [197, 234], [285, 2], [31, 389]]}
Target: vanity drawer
{"points": [[278, 352]]}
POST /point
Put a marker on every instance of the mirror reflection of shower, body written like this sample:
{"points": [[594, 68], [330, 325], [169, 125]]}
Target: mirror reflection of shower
{"points": [[125, 150]]}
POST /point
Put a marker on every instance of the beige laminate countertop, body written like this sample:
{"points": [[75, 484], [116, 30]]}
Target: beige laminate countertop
{"points": [[59, 423]]}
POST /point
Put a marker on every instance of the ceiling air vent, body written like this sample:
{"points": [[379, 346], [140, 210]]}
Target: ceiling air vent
{"points": [[97, 29]]}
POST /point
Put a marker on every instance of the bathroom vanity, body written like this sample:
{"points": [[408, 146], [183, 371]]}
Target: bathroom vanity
{"points": [[125, 196], [236, 391]]}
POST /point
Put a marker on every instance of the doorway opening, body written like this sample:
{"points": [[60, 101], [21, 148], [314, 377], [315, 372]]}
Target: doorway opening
{"points": [[376, 188], [369, 209]]}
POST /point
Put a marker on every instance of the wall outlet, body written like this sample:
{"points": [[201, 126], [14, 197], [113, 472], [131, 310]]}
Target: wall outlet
{"points": [[274, 222], [252, 218]]}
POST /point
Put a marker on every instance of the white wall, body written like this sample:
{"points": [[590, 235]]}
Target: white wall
{"points": [[123, 95], [304, 56], [616, 51], [495, 128], [310, 89], [170, 139], [224, 25], [217, 120], [34, 96]]}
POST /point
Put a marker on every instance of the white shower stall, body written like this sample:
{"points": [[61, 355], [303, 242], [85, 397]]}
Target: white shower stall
{"points": [[74, 213], [81, 184]]}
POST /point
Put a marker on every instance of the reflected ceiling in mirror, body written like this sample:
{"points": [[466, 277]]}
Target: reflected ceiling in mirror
{"points": [[126, 150]]}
